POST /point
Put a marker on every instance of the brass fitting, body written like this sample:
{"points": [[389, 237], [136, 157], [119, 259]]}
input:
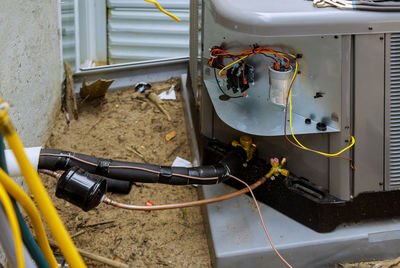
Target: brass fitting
{"points": [[6, 127], [246, 142], [277, 169]]}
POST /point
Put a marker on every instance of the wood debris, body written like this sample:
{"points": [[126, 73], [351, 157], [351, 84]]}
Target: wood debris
{"points": [[95, 257], [94, 90], [70, 104], [158, 102], [170, 136]]}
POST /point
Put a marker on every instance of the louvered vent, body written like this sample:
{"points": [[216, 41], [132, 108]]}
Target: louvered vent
{"points": [[394, 149]]}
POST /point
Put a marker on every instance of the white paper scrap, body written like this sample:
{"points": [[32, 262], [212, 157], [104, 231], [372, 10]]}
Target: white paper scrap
{"points": [[180, 162], [170, 95]]}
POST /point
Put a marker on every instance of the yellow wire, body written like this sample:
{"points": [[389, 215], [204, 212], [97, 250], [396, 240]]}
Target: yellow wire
{"points": [[353, 140], [43, 200], [15, 191], [12, 219], [163, 10], [40, 194], [233, 63], [242, 58]]}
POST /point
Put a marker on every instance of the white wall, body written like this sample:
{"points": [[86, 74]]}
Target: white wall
{"points": [[30, 65]]}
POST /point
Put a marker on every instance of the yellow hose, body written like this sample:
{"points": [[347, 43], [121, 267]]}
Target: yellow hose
{"points": [[12, 219], [40, 194], [23, 199], [163, 10]]}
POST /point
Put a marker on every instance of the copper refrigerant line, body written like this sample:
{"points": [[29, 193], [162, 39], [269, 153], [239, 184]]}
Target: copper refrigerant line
{"points": [[248, 188], [108, 201]]}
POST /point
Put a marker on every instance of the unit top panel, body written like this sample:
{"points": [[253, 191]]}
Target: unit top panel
{"points": [[298, 17]]}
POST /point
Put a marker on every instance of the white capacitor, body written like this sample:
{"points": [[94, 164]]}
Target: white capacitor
{"points": [[279, 85]]}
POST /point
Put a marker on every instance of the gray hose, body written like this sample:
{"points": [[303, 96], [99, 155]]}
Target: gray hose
{"points": [[7, 243]]}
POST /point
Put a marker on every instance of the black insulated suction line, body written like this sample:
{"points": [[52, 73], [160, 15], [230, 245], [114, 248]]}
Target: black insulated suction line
{"points": [[53, 159]]}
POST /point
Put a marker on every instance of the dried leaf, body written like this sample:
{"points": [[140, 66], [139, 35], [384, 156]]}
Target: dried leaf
{"points": [[94, 90]]}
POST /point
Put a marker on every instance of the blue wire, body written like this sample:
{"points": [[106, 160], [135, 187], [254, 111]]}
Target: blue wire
{"points": [[27, 236]]}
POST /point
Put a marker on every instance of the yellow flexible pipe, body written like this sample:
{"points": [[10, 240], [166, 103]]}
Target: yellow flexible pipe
{"points": [[12, 219], [40, 194], [15, 191], [163, 10]]}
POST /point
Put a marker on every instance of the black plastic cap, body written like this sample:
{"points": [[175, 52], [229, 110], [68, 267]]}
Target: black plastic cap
{"points": [[81, 188], [321, 126]]}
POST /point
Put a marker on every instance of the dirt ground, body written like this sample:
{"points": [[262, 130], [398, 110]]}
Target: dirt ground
{"points": [[122, 127]]}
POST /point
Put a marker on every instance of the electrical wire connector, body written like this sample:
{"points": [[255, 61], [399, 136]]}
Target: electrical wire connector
{"points": [[6, 127], [277, 169], [246, 142]]}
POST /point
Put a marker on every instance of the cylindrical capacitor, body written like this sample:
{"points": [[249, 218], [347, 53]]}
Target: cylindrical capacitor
{"points": [[279, 85]]}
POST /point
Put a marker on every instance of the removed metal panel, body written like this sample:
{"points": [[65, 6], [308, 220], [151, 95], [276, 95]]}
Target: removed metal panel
{"points": [[68, 32], [138, 34], [166, 4]]}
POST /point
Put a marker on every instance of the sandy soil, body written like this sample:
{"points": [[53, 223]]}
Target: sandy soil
{"points": [[118, 127], [114, 127]]}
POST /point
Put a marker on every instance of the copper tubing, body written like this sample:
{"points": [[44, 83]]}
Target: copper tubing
{"points": [[284, 261], [50, 173], [249, 188], [108, 201]]}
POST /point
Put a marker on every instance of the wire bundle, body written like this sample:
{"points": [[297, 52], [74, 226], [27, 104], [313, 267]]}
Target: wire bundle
{"points": [[41, 253], [282, 61], [217, 55]]}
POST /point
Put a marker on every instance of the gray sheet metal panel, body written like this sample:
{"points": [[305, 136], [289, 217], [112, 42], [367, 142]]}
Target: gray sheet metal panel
{"points": [[206, 114], [239, 241], [68, 32], [191, 120], [127, 75], [194, 47], [295, 18], [320, 72], [369, 113], [340, 173]]}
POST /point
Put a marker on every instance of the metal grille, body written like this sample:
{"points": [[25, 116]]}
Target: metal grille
{"points": [[68, 32], [394, 132], [137, 31]]}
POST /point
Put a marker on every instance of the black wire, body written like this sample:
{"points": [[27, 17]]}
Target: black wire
{"points": [[220, 88], [268, 56]]}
